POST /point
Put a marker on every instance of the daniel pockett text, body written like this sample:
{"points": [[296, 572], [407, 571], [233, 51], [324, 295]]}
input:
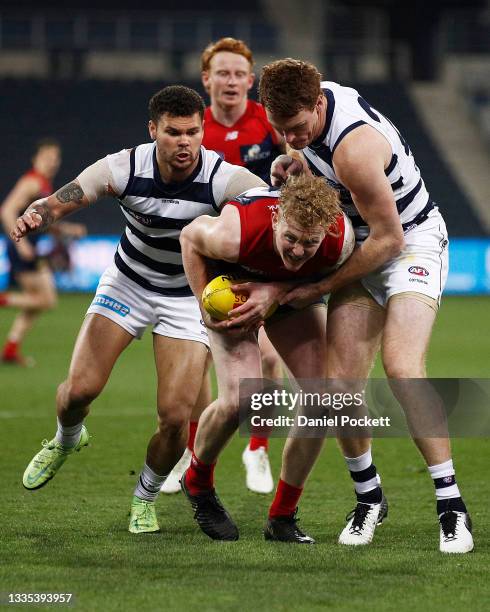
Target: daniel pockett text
{"points": [[306, 403], [432, 408]]}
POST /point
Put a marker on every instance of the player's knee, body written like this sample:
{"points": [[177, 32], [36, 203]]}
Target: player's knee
{"points": [[172, 425], [271, 365], [409, 369], [50, 302], [78, 392], [227, 409]]}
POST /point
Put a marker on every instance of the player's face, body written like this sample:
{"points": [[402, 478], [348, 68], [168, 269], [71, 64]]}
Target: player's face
{"points": [[295, 244], [47, 160], [178, 140], [228, 79], [303, 128]]}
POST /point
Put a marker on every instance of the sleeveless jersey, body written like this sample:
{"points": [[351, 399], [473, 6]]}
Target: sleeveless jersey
{"points": [[46, 187], [347, 110], [250, 142], [149, 250], [45, 190], [257, 255]]}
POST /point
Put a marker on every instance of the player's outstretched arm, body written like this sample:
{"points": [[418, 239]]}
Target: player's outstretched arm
{"points": [[92, 183], [46, 211]]}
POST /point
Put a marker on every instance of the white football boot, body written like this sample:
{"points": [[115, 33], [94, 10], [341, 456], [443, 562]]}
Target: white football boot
{"points": [[172, 482], [455, 529], [257, 466], [362, 522]]}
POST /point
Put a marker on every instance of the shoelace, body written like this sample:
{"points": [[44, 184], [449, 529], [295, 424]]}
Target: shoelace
{"points": [[262, 463], [358, 514], [144, 511], [210, 502], [449, 522]]}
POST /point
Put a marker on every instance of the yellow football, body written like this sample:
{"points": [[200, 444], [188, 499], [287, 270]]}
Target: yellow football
{"points": [[218, 299]]}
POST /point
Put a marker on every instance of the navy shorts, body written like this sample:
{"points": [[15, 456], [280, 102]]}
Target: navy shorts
{"points": [[17, 264]]}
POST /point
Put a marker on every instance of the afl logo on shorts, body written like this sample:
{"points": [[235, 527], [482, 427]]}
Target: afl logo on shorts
{"points": [[418, 271]]}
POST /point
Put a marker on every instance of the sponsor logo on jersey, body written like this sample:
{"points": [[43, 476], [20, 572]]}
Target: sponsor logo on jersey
{"points": [[166, 201], [143, 219], [418, 271], [255, 153], [232, 135], [111, 304]]}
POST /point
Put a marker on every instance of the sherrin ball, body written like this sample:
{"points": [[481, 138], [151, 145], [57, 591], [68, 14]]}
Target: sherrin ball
{"points": [[218, 298]]}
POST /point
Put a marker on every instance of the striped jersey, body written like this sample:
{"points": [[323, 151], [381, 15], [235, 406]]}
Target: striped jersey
{"points": [[347, 110], [149, 250]]}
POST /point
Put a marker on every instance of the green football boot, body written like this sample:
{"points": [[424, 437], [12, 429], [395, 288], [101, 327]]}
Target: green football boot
{"points": [[48, 461], [143, 517]]}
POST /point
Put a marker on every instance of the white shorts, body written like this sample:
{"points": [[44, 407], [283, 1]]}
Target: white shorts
{"points": [[422, 266], [134, 308]]}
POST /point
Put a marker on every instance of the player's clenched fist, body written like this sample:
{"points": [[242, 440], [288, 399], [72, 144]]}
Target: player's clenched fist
{"points": [[282, 167], [28, 222]]}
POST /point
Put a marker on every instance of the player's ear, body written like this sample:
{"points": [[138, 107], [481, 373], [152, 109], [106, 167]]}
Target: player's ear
{"points": [[251, 80], [152, 129], [275, 219], [205, 80]]}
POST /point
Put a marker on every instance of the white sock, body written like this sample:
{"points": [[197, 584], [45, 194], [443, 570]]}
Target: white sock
{"points": [[68, 436], [363, 473], [444, 479], [149, 484]]}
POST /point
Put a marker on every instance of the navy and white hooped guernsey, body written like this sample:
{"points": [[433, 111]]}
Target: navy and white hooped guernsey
{"points": [[149, 250], [347, 110]]}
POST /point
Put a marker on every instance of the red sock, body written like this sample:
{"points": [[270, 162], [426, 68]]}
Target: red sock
{"points": [[192, 434], [10, 350], [199, 478], [285, 500], [256, 442], [3, 299]]}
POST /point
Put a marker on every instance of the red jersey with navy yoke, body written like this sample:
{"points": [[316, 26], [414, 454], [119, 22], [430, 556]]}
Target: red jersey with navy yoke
{"points": [[46, 187], [250, 142], [257, 254]]}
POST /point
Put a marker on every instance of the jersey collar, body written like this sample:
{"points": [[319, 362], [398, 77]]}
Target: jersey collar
{"points": [[176, 185]]}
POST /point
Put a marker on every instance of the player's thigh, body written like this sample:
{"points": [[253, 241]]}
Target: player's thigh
{"points": [[235, 358], [406, 336], [97, 348], [354, 327], [40, 282], [300, 339], [180, 366]]}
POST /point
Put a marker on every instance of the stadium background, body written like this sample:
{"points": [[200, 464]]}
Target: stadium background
{"points": [[84, 75]]}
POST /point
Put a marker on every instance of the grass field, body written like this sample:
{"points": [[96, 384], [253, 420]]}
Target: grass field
{"points": [[72, 535]]}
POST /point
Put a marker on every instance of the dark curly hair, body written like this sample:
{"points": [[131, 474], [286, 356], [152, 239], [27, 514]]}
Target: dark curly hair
{"points": [[177, 101]]}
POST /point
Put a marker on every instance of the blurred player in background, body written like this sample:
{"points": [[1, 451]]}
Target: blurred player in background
{"points": [[160, 186], [238, 130], [31, 272], [402, 264]]}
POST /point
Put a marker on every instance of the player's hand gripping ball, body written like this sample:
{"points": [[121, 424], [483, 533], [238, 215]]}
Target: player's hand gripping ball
{"points": [[218, 299]]}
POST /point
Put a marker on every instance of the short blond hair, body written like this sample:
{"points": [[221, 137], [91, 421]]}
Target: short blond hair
{"points": [[308, 201], [232, 45]]}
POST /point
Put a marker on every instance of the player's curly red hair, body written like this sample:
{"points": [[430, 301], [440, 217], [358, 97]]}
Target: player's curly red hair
{"points": [[308, 201], [232, 45]]}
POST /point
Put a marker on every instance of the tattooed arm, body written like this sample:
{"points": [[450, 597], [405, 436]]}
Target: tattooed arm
{"points": [[42, 213], [94, 182]]}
